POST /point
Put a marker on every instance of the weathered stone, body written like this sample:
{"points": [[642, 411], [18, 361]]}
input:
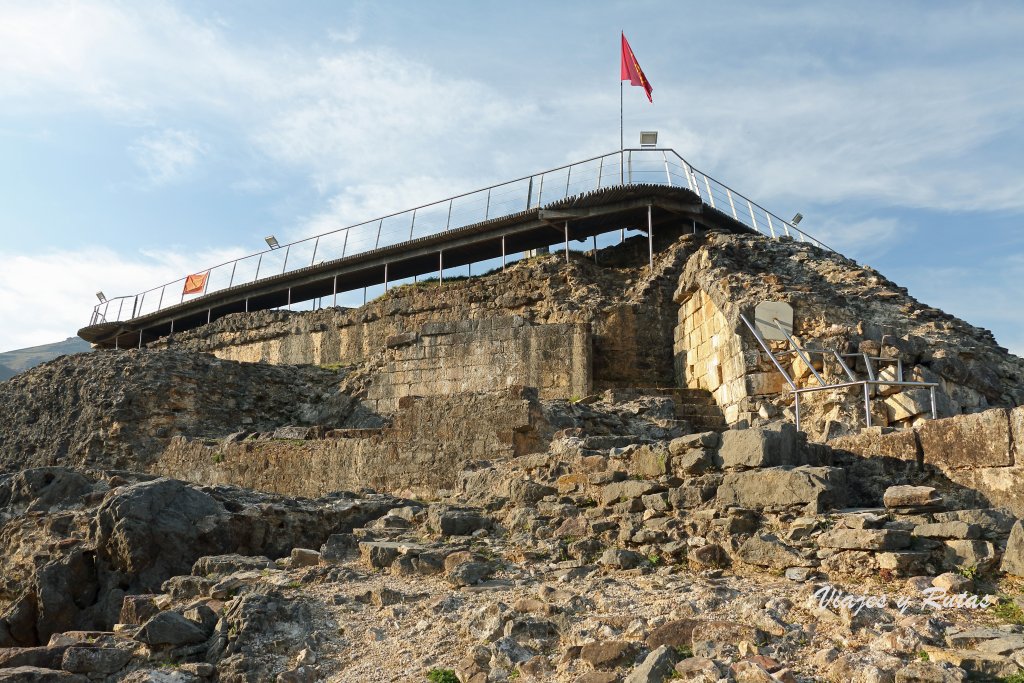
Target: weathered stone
{"points": [[967, 441], [969, 554], [88, 660], [994, 522], [136, 609], [655, 668], [610, 654], [880, 442], [759, 447], [470, 573], [910, 497], [337, 548], [765, 550], [953, 583], [169, 629], [229, 564], [649, 461], [674, 634], [32, 674], [960, 530], [711, 555], [692, 462], [622, 559], [865, 539], [815, 488], [304, 557], [908, 403], [976, 664], [698, 670], [691, 495], [682, 444], [929, 672], [751, 672], [451, 521], [625, 490], [1013, 558]]}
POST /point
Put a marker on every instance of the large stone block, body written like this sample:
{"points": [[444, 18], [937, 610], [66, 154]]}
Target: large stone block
{"points": [[1017, 433], [816, 488], [907, 404], [759, 447], [967, 441], [1013, 558], [880, 441], [865, 539]]}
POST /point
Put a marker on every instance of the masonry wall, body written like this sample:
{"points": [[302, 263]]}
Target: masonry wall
{"points": [[982, 452], [442, 359], [420, 454], [709, 355]]}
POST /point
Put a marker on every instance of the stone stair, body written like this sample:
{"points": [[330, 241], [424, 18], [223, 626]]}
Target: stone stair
{"points": [[698, 407]]}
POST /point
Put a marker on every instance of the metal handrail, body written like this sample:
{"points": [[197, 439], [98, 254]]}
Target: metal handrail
{"points": [[622, 167], [854, 382]]}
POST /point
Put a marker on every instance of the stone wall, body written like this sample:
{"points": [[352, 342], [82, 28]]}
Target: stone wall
{"points": [[626, 308], [420, 453], [443, 359], [709, 354], [837, 304], [982, 451]]}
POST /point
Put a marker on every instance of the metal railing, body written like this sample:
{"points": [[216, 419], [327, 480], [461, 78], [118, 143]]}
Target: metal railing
{"points": [[873, 379], [626, 167]]}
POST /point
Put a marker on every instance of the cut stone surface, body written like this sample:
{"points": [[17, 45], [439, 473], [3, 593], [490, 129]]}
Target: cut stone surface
{"points": [[816, 488], [765, 550], [960, 530], [1013, 558], [910, 496], [759, 447], [170, 629], [865, 539], [656, 667], [967, 441]]}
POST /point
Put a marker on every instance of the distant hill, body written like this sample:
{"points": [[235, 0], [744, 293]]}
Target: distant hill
{"points": [[19, 360]]}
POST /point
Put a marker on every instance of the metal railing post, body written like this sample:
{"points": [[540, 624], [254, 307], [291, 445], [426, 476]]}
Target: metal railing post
{"points": [[412, 224], [287, 251], [259, 263], [753, 218], [448, 225], [668, 175], [867, 405], [600, 171], [160, 303], [629, 160], [728, 193], [529, 194], [487, 207], [771, 228], [380, 226], [540, 192], [232, 280], [344, 244], [316, 245], [711, 197], [568, 176]]}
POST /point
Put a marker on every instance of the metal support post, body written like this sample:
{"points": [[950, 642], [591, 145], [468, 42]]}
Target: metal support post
{"points": [[140, 340], [385, 277], [440, 267], [650, 237], [289, 298], [503, 253], [209, 312], [796, 409], [935, 411], [334, 302], [867, 405], [567, 242]]}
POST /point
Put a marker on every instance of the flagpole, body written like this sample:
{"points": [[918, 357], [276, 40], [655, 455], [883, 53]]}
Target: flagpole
{"points": [[622, 158]]}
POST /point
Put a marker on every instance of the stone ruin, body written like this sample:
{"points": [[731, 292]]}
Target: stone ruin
{"points": [[582, 471]]}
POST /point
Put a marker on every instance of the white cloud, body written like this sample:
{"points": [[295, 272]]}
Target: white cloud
{"points": [[986, 294], [49, 296], [167, 156]]}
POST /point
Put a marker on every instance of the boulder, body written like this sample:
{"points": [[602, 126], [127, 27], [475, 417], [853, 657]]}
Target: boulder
{"points": [[967, 441], [1013, 558], [170, 629], [229, 564], [656, 667], [757, 447], [33, 674], [610, 654], [453, 521], [816, 489], [765, 550], [911, 497], [625, 490], [865, 539]]}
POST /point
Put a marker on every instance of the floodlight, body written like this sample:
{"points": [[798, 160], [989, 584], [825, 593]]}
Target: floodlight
{"points": [[797, 218], [272, 242], [102, 297], [648, 138]]}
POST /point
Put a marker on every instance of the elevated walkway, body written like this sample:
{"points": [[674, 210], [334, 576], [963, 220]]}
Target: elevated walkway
{"points": [[635, 190]]}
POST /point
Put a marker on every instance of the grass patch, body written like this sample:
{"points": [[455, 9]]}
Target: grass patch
{"points": [[1007, 610], [437, 675]]}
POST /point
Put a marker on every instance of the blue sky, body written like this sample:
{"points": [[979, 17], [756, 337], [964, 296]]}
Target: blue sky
{"points": [[143, 141]]}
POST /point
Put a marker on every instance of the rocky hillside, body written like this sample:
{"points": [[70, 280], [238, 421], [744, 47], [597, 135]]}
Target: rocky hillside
{"points": [[118, 410], [20, 360], [707, 557]]}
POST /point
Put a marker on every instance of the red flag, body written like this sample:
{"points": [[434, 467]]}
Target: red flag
{"points": [[194, 284], [631, 70]]}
